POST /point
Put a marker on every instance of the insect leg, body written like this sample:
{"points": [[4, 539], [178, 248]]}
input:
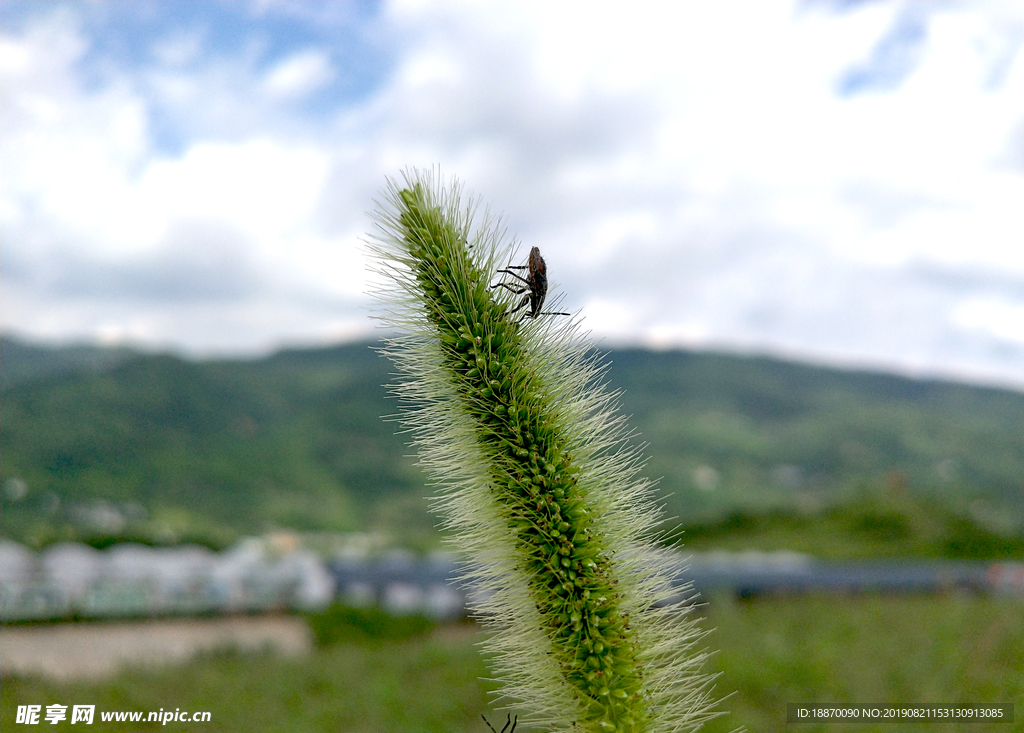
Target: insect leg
{"points": [[509, 721], [516, 275], [516, 291], [525, 302]]}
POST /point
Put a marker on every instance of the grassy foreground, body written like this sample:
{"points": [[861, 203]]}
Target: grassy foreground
{"points": [[863, 649], [867, 649]]}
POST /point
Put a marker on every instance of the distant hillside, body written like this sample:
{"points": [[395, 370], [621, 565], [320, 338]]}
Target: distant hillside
{"points": [[115, 443], [769, 429], [27, 362]]}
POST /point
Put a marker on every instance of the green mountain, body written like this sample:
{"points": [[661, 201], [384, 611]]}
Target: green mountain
{"points": [[117, 444]]}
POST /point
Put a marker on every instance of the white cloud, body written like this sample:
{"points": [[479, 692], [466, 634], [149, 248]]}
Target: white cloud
{"points": [[299, 75], [694, 172], [998, 317]]}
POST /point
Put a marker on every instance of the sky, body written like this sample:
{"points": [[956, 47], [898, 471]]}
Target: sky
{"points": [[833, 182]]}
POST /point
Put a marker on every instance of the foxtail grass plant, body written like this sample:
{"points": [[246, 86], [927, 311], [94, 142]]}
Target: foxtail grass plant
{"points": [[536, 479]]}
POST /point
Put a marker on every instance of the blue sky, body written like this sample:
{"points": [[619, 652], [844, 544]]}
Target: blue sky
{"points": [[829, 181]]}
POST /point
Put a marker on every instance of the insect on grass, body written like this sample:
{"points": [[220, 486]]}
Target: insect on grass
{"points": [[538, 483], [534, 285]]}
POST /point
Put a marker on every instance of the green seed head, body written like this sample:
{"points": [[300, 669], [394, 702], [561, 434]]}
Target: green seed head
{"points": [[538, 484]]}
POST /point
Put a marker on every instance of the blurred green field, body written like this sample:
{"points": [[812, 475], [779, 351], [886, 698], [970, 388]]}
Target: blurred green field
{"points": [[867, 649], [838, 649]]}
